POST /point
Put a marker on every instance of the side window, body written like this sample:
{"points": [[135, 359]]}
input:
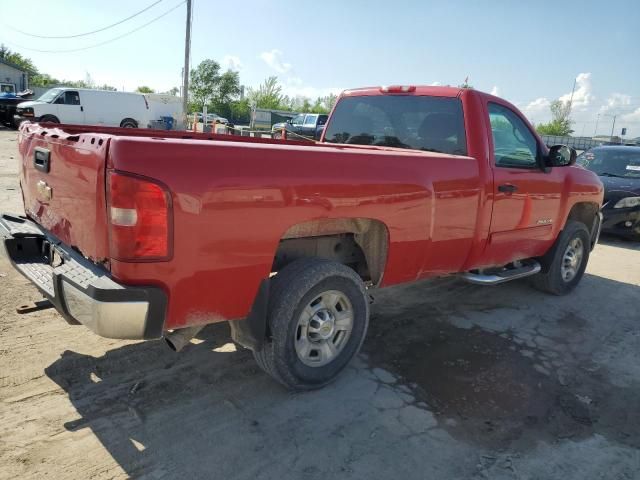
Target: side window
{"points": [[71, 98], [310, 121], [297, 120], [513, 143], [322, 120]]}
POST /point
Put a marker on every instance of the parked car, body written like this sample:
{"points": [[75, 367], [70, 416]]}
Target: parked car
{"points": [[304, 126], [212, 117], [8, 104], [139, 236], [82, 106], [619, 169]]}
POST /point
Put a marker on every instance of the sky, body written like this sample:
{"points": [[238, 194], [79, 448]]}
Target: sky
{"points": [[528, 52]]}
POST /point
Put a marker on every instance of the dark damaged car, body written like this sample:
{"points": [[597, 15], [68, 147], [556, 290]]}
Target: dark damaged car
{"points": [[619, 169]]}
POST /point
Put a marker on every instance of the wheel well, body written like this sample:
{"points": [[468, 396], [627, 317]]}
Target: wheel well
{"points": [[127, 120], [360, 243], [585, 213], [49, 118]]}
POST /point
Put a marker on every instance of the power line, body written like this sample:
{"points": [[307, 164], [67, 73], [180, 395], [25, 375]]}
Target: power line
{"points": [[105, 42], [86, 33]]}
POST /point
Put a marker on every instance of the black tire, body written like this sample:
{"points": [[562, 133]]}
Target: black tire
{"points": [[277, 136], [551, 279], [292, 289], [49, 119], [128, 123]]}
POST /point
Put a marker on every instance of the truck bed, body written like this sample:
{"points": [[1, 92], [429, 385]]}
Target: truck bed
{"points": [[235, 198]]}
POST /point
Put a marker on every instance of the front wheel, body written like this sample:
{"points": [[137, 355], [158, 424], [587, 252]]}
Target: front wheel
{"points": [[566, 261], [318, 318]]}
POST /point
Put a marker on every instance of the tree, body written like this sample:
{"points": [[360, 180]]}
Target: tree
{"points": [[560, 123], [17, 59], [43, 80], [106, 87], [268, 95], [145, 89], [174, 91], [240, 111], [205, 79], [227, 90]]}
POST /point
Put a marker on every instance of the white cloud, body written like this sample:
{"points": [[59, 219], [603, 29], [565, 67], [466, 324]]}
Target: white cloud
{"points": [[633, 117], [232, 63], [582, 96], [495, 91], [539, 105], [295, 87], [435, 84], [616, 100], [274, 59]]}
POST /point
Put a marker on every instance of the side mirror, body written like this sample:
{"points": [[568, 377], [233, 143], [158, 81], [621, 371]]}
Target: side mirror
{"points": [[561, 156]]}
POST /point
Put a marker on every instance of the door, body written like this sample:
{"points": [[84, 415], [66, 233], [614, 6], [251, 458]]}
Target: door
{"points": [[296, 125], [69, 108], [309, 126], [526, 198]]}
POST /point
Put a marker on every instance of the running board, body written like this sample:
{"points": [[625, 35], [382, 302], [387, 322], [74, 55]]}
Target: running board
{"points": [[502, 276]]}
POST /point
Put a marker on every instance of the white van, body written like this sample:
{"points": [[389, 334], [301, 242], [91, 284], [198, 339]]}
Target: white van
{"points": [[82, 106]]}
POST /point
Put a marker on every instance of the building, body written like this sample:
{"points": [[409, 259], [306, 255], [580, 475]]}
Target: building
{"points": [[12, 77]]}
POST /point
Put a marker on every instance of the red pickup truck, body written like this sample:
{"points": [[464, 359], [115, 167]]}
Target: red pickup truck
{"points": [[142, 234]]}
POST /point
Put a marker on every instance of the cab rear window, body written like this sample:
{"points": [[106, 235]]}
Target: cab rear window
{"points": [[433, 124]]}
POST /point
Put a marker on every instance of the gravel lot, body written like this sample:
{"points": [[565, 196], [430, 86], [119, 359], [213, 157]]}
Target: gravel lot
{"points": [[455, 381]]}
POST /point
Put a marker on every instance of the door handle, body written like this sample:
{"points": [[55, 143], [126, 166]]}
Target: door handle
{"points": [[81, 108], [42, 159], [507, 188]]}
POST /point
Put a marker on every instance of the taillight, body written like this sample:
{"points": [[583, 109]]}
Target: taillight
{"points": [[139, 218]]}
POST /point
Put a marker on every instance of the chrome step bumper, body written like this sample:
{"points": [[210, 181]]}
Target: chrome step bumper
{"points": [[80, 290]]}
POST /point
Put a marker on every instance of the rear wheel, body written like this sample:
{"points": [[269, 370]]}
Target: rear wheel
{"points": [[277, 135], [129, 123], [49, 119], [566, 261], [318, 317]]}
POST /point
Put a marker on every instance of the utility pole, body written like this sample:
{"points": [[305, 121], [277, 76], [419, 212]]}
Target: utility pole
{"points": [[185, 72], [572, 92], [595, 131], [613, 125]]}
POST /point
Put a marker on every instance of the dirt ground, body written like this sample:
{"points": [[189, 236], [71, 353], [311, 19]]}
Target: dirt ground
{"points": [[454, 381]]}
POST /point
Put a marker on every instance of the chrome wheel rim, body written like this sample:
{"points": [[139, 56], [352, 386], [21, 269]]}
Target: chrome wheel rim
{"points": [[572, 259], [323, 328]]}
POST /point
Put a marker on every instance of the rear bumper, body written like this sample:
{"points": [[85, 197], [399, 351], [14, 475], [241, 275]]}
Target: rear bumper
{"points": [[80, 290]]}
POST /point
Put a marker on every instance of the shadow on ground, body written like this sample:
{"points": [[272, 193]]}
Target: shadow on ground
{"points": [[613, 241], [497, 372]]}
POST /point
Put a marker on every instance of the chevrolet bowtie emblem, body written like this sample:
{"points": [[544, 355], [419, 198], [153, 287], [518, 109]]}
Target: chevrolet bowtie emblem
{"points": [[44, 191]]}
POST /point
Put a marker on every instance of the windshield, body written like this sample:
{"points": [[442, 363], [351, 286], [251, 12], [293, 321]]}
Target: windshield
{"points": [[50, 95], [432, 124], [614, 163]]}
